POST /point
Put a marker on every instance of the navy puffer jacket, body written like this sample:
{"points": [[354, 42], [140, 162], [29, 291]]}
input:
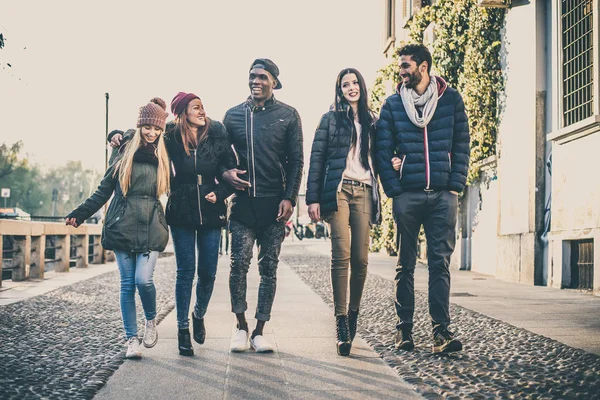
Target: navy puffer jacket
{"points": [[328, 162], [436, 157]]}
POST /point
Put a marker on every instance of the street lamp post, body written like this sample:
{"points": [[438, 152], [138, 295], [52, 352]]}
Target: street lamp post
{"points": [[106, 134]]}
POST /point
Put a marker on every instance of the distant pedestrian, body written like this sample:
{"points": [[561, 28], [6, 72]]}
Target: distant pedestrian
{"points": [[267, 136], [422, 153], [196, 210], [342, 190], [135, 226]]}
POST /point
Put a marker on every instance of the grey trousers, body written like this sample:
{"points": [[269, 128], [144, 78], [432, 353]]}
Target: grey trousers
{"points": [[268, 240], [436, 211]]}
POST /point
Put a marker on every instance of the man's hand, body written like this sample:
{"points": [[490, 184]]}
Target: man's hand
{"points": [[314, 212], [231, 177], [285, 210], [454, 192], [396, 163], [71, 222], [211, 197], [115, 141]]}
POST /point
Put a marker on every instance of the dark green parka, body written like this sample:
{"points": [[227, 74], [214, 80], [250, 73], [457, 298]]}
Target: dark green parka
{"points": [[134, 223]]}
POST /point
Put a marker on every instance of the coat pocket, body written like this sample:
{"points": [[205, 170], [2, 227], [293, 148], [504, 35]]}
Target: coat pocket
{"points": [[115, 216]]}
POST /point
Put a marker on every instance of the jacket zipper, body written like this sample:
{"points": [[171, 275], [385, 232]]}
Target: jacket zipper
{"points": [[402, 165], [427, 167], [253, 163], [198, 183], [450, 161], [326, 172]]}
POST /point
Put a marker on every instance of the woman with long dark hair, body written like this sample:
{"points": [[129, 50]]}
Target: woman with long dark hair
{"points": [[342, 190]]}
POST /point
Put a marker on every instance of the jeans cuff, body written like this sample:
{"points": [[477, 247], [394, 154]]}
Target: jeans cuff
{"points": [[262, 317], [150, 316], [239, 308]]}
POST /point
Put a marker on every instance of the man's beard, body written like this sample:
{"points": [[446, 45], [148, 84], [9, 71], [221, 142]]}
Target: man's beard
{"points": [[413, 80]]}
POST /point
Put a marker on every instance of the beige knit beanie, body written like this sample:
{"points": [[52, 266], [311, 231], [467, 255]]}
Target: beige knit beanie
{"points": [[154, 113]]}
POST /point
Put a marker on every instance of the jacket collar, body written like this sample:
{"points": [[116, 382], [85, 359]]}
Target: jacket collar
{"points": [[268, 103]]}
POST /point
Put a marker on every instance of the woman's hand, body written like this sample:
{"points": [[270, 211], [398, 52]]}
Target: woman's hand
{"points": [[396, 163], [115, 141], [212, 197], [71, 222], [314, 212]]}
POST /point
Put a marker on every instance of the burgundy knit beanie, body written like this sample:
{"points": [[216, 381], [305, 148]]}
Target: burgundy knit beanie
{"points": [[154, 113], [180, 102]]}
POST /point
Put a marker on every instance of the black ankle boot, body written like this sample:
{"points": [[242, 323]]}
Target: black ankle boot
{"points": [[199, 329], [352, 323], [185, 342], [343, 335]]}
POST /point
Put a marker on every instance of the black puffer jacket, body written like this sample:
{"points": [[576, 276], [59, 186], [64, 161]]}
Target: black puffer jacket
{"points": [[201, 166], [328, 162], [268, 142]]}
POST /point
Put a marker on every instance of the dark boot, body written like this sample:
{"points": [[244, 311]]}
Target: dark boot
{"points": [[185, 342], [352, 322], [199, 329], [404, 339], [444, 341], [343, 335]]}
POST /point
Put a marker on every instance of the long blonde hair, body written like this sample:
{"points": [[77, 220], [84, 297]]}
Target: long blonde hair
{"points": [[125, 164]]}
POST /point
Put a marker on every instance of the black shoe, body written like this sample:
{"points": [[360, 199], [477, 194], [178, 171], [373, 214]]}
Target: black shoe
{"points": [[352, 322], [343, 335], [199, 329], [185, 342], [443, 341], [404, 340]]}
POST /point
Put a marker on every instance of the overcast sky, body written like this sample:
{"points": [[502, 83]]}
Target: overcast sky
{"points": [[66, 54]]}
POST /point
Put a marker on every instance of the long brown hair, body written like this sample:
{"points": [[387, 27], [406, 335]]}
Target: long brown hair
{"points": [[191, 141], [125, 164]]}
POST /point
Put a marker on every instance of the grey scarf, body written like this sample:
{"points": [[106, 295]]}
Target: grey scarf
{"points": [[427, 101]]}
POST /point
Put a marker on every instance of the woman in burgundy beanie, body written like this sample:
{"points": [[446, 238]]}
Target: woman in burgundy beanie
{"points": [[198, 148]]}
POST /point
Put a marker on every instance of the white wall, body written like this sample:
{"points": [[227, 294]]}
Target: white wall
{"points": [[516, 136]]}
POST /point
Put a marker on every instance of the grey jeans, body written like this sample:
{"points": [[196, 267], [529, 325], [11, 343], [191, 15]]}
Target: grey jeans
{"points": [[268, 240], [436, 211]]}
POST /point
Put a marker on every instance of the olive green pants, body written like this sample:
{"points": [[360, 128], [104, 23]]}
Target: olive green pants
{"points": [[350, 226]]}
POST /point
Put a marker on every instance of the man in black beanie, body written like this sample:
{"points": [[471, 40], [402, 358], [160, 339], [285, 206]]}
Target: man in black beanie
{"points": [[267, 137]]}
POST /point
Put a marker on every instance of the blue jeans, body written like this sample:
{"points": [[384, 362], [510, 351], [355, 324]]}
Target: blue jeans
{"points": [[185, 242], [137, 270]]}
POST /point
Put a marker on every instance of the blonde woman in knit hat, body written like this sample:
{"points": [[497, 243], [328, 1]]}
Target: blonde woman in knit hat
{"points": [[199, 150], [135, 227]]}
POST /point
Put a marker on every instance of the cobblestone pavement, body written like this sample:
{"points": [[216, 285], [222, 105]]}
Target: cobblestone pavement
{"points": [[68, 342], [498, 361]]}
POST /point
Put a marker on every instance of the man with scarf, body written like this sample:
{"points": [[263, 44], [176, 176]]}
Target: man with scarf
{"points": [[422, 153]]}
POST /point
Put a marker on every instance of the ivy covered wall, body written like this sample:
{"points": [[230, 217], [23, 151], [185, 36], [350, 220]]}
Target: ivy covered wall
{"points": [[466, 52]]}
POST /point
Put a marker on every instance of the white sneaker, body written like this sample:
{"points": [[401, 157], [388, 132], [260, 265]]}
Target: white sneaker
{"points": [[150, 334], [133, 348], [261, 345], [239, 341]]}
